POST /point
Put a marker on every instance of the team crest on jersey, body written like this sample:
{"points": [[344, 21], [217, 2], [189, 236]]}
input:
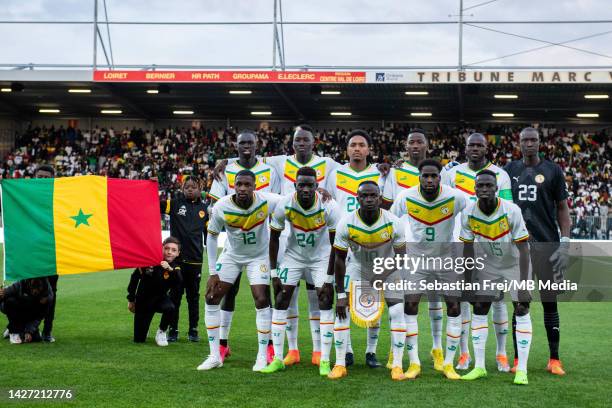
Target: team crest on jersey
{"points": [[444, 210], [384, 235], [503, 225], [202, 213], [182, 211], [539, 178], [262, 179], [260, 215], [166, 275], [318, 173]]}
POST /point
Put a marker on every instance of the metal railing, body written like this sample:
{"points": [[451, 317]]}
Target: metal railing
{"points": [[591, 227], [277, 25]]}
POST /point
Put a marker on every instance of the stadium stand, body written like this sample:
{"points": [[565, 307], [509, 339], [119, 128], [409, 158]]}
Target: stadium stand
{"points": [[171, 153]]}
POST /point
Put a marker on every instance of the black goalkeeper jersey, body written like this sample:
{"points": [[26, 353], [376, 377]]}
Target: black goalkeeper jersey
{"points": [[537, 190]]}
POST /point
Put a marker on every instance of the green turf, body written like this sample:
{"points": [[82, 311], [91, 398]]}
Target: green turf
{"points": [[94, 355]]}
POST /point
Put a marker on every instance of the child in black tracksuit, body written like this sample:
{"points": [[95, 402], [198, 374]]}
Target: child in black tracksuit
{"points": [[152, 290], [188, 217]]}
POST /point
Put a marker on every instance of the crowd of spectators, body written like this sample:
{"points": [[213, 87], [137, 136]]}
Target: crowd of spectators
{"points": [[172, 153]]}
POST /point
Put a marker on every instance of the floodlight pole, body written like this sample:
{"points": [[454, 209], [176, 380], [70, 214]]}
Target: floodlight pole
{"points": [[274, 38], [95, 33], [460, 63]]}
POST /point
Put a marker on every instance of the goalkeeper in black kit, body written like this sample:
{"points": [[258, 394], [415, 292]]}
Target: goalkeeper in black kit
{"points": [[539, 189]]}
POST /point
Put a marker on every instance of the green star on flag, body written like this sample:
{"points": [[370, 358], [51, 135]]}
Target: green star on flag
{"points": [[81, 218]]}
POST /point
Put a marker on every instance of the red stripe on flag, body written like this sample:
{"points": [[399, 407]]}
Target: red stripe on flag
{"points": [[134, 223]]}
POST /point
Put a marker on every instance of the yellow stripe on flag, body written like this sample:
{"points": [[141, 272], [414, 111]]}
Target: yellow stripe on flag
{"points": [[80, 218]]}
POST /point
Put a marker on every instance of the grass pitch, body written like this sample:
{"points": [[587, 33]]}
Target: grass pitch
{"points": [[95, 357]]}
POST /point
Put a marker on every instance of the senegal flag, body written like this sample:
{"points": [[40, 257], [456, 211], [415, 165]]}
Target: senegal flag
{"points": [[79, 224]]}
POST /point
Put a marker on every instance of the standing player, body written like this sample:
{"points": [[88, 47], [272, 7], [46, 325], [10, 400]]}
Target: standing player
{"points": [[188, 218], [539, 189], [399, 179], [407, 175], [431, 210], [266, 179], [308, 256], [343, 184], [244, 215], [462, 177], [498, 228], [369, 233], [286, 166]]}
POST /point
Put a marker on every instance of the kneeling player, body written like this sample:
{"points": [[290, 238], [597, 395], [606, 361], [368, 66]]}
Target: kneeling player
{"points": [[151, 291], [498, 228], [369, 233], [308, 256], [431, 209], [244, 216]]}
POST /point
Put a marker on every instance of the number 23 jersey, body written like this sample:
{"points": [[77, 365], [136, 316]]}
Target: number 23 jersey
{"points": [[537, 190]]}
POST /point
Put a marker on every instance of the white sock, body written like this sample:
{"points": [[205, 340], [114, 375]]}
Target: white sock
{"points": [[349, 344], [523, 340], [372, 341], [398, 333], [480, 331], [466, 319], [279, 323], [226, 324], [453, 335], [292, 320], [412, 338], [500, 323], [211, 319], [314, 316], [435, 317], [327, 333], [341, 327], [263, 321]]}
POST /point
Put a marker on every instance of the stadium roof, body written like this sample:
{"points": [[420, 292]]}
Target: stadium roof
{"points": [[544, 102]]}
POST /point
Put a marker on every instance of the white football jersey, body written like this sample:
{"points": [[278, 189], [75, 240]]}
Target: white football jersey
{"points": [[343, 183], [463, 178], [309, 229], [266, 179], [287, 166], [247, 229], [431, 222], [495, 234], [399, 179], [367, 242]]}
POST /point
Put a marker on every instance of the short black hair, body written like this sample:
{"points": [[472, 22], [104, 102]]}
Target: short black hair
{"points": [[193, 178], [245, 172], [172, 240], [430, 162], [418, 130], [246, 132], [305, 127], [362, 133], [477, 134], [306, 171], [486, 172], [46, 167], [529, 129], [363, 183]]}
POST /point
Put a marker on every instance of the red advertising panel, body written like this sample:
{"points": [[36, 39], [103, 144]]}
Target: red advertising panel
{"points": [[231, 76]]}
